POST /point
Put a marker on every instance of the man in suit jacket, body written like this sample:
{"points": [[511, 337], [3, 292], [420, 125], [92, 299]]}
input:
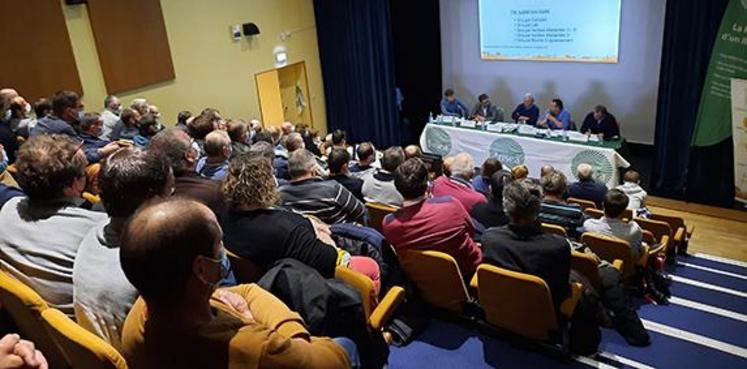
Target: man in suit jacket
{"points": [[485, 111]]}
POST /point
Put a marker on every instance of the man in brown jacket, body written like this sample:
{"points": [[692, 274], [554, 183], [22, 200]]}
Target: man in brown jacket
{"points": [[171, 252]]}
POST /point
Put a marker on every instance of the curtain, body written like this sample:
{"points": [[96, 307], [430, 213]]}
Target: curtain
{"points": [[680, 171], [355, 48]]}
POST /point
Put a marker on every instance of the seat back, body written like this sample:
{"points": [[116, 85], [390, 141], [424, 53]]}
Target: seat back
{"points": [[376, 214], [585, 204], [25, 308], [437, 278], [594, 213], [520, 303], [611, 249], [554, 229], [587, 266], [245, 270], [363, 285], [661, 230], [627, 215], [83, 349], [673, 221]]}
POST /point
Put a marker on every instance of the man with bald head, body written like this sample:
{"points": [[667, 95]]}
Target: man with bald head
{"points": [[459, 183], [218, 150], [286, 128], [413, 151], [546, 169], [171, 252], [526, 112], [587, 188]]}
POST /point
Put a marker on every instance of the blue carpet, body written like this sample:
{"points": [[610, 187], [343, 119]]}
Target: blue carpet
{"points": [[451, 346]]}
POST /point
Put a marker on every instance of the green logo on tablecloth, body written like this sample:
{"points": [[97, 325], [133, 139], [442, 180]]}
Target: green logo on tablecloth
{"points": [[603, 169], [437, 141], [508, 151]]}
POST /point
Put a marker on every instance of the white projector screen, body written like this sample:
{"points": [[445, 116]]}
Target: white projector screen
{"points": [[550, 30]]}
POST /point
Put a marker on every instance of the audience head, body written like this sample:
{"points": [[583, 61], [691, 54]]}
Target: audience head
{"points": [[155, 111], [91, 124], [42, 107], [546, 169], [67, 106], [498, 181], [521, 201], [615, 202], [449, 94], [238, 130], [339, 138], [286, 128], [294, 141], [301, 165], [632, 176], [183, 117], [448, 161], [176, 146], [8, 93], [528, 99], [148, 125], [484, 99], [132, 176], [520, 172], [600, 111], [554, 184], [274, 133], [112, 104], [171, 253], [338, 161], [19, 108], [262, 149], [218, 145], [250, 183], [411, 179], [413, 151], [141, 105], [51, 167], [585, 172], [463, 166], [200, 126], [366, 153], [490, 166], [393, 157], [130, 117], [264, 136], [556, 106]]}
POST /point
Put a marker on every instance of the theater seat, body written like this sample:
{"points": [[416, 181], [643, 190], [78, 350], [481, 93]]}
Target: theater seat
{"points": [[587, 265], [585, 204], [661, 231], [377, 312], [25, 308], [245, 270], [613, 249], [554, 229], [522, 303], [376, 214], [93, 199], [437, 278], [594, 213], [82, 349], [682, 233]]}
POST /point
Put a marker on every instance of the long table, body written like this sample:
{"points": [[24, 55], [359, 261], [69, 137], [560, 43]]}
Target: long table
{"points": [[513, 149]]}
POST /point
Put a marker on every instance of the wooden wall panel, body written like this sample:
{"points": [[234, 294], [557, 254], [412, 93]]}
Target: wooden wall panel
{"points": [[132, 43], [37, 57]]}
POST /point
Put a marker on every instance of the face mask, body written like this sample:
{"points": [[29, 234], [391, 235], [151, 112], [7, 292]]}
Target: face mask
{"points": [[222, 263], [7, 115], [27, 108], [81, 114]]}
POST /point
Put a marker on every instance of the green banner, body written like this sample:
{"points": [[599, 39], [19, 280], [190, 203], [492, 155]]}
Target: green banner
{"points": [[728, 60]]}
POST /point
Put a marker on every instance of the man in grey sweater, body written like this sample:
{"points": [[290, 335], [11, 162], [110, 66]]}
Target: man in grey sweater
{"points": [[40, 234]]}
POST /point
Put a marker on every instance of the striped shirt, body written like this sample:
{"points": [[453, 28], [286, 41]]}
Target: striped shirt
{"points": [[326, 200]]}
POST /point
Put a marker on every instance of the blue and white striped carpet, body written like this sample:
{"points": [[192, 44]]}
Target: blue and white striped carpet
{"points": [[705, 326]]}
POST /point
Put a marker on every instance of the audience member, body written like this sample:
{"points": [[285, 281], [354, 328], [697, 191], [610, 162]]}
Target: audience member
{"points": [[632, 188], [555, 210], [599, 121], [182, 119], [379, 187], [238, 131], [286, 128], [423, 223], [546, 169], [485, 111], [481, 183], [338, 161], [214, 165], [42, 108], [102, 295], [523, 247], [95, 148], [490, 214], [199, 127], [146, 129], [19, 112], [8, 192], [611, 224], [413, 151], [366, 153], [67, 109], [556, 117], [459, 184], [40, 234], [8, 139], [526, 112], [140, 105], [127, 126], [587, 188], [451, 106], [175, 145], [308, 138], [110, 115], [311, 195], [171, 252], [262, 149], [519, 172]]}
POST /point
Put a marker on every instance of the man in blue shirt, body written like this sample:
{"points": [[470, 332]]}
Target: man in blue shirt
{"points": [[526, 112], [587, 188], [451, 106], [94, 147], [556, 117], [67, 109]]}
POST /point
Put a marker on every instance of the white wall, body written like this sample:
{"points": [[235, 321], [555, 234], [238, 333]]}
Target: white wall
{"points": [[629, 88]]}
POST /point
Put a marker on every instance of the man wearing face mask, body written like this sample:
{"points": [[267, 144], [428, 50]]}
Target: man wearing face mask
{"points": [[110, 115], [95, 148], [67, 110], [171, 252], [19, 112]]}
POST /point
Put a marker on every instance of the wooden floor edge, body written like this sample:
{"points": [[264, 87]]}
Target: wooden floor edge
{"points": [[689, 207]]}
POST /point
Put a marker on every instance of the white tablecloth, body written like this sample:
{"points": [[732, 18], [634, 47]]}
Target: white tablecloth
{"points": [[513, 150]]}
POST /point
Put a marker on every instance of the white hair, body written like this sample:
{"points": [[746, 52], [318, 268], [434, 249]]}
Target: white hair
{"points": [[529, 95], [136, 103], [463, 165]]}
